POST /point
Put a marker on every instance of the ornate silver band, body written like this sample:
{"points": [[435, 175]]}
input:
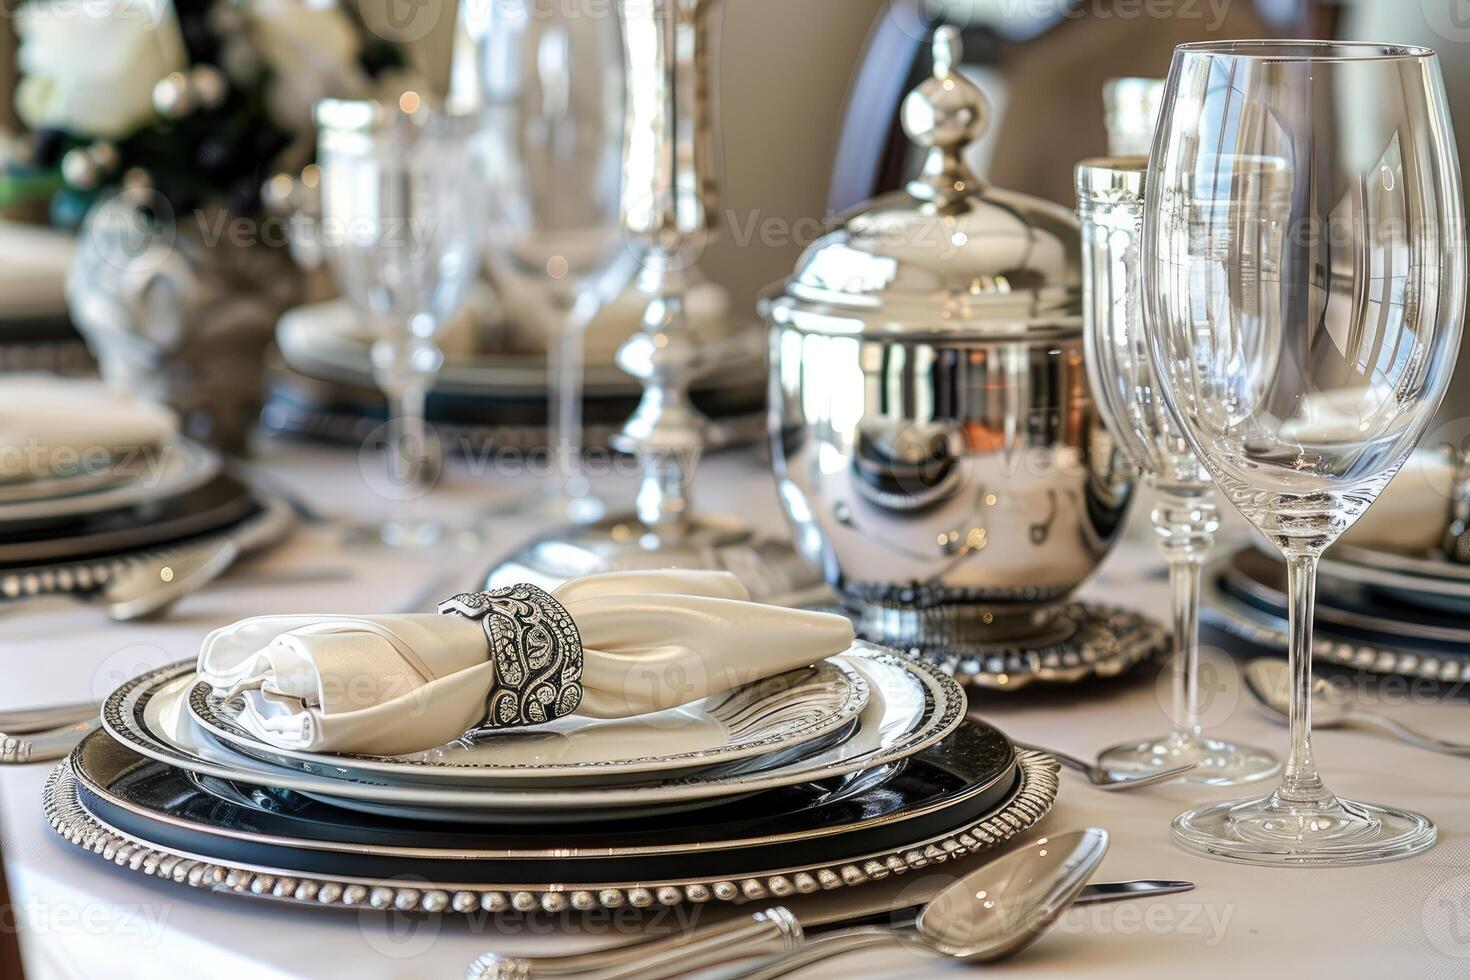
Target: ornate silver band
{"points": [[536, 651]]}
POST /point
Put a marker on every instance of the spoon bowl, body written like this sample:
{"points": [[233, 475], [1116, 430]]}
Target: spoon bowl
{"points": [[1004, 906]]}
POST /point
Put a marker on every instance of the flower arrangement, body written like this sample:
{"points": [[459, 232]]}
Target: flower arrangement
{"points": [[194, 102]]}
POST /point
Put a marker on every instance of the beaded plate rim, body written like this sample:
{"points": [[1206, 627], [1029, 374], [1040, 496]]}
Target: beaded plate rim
{"points": [[1032, 798]]}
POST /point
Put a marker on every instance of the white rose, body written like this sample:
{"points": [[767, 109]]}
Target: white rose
{"points": [[312, 50], [89, 66]]}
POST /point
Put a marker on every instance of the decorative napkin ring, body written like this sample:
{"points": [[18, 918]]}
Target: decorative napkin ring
{"points": [[536, 650]]}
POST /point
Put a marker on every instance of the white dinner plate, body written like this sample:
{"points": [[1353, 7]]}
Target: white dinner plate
{"points": [[775, 716], [911, 706]]}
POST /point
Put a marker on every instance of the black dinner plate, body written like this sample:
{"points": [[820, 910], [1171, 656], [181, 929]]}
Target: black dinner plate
{"points": [[952, 784]]}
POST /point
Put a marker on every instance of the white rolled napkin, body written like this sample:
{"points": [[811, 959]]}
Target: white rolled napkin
{"points": [[51, 425], [390, 685]]}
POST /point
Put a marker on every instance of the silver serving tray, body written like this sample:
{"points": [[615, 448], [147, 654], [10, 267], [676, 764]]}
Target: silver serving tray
{"points": [[1032, 797], [912, 705], [774, 716], [1108, 641]]}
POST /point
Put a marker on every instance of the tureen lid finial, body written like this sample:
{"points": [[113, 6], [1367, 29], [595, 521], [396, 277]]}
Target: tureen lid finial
{"points": [[945, 113]]}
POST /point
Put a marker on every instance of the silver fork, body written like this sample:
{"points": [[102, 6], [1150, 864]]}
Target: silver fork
{"points": [[1101, 778]]}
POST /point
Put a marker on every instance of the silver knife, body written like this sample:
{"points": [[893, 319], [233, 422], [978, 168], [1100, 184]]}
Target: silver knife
{"points": [[764, 933], [24, 721]]}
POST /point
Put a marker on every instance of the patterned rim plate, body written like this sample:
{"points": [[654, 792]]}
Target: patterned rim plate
{"points": [[1230, 615], [1031, 798], [186, 466], [911, 706], [773, 716]]}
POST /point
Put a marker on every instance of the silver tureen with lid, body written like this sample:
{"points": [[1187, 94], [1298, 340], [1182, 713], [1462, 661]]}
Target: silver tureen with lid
{"points": [[935, 441]]}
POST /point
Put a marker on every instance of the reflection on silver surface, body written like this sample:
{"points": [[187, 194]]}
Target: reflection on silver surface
{"points": [[935, 443]]}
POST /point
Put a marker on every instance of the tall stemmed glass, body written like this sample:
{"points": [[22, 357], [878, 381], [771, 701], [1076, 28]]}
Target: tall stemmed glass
{"points": [[1304, 278], [551, 84], [1110, 205], [403, 214]]}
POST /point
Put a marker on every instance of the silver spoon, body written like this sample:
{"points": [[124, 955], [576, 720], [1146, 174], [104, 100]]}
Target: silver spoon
{"points": [[1103, 779], [993, 912], [1267, 680]]}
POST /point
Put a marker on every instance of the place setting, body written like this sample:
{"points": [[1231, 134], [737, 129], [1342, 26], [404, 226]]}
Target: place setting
{"points": [[612, 743]]}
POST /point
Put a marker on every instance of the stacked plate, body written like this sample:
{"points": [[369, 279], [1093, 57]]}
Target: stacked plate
{"points": [[1377, 610], [846, 771], [72, 530]]}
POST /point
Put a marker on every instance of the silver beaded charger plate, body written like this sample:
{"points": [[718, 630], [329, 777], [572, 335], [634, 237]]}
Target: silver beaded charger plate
{"points": [[1239, 619], [1032, 795], [174, 467], [772, 719], [1102, 641], [911, 706]]}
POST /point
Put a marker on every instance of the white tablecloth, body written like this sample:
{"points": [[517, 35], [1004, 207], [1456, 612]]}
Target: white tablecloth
{"points": [[80, 916]]}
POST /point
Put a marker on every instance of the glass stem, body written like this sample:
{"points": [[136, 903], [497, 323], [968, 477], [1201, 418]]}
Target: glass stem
{"points": [[568, 358], [1184, 573], [1185, 521], [404, 368], [1300, 782]]}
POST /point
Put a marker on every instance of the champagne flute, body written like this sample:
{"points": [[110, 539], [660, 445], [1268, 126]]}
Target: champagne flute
{"points": [[403, 207], [1110, 204], [1304, 281]]}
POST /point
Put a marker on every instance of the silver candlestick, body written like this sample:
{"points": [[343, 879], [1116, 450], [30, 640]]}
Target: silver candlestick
{"points": [[669, 208]]}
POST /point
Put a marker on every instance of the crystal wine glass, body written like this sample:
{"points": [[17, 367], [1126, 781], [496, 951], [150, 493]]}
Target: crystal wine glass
{"points": [[551, 83], [403, 206], [1304, 280], [1110, 204]]}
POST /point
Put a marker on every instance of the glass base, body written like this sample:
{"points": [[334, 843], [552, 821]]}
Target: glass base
{"points": [[1216, 762], [551, 509], [414, 536], [1276, 832]]}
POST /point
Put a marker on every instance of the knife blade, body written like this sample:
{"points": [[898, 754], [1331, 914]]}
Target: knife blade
{"points": [[903, 911]]}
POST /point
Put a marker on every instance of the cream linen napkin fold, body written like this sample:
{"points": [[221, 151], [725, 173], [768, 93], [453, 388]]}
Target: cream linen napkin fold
{"points": [[50, 425], [389, 685]]}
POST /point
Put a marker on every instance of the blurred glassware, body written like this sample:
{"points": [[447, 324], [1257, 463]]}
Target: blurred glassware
{"points": [[550, 84], [1131, 110], [1110, 205], [403, 215], [669, 211], [1304, 287]]}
